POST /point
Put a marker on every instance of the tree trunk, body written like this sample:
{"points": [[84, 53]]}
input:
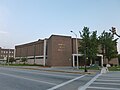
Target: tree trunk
{"points": [[91, 62]]}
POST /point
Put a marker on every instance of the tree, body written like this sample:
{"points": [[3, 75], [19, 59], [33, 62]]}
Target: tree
{"points": [[93, 50], [89, 43], [11, 60], [119, 58], [102, 43], [108, 45], [85, 35], [24, 59]]}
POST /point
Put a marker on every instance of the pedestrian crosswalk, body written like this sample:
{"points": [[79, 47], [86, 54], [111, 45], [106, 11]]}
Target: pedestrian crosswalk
{"points": [[107, 81]]}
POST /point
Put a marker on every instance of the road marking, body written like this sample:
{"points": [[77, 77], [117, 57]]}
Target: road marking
{"points": [[89, 83], [43, 73], [110, 76], [106, 83], [108, 80], [100, 88], [27, 78], [62, 84]]}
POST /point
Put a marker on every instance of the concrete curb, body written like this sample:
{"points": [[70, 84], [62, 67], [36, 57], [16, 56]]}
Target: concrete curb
{"points": [[60, 71], [50, 70]]}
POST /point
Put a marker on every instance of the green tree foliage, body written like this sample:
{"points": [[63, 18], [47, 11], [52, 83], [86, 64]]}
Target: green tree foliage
{"points": [[93, 48], [89, 43], [108, 45], [11, 60], [85, 35], [24, 59]]}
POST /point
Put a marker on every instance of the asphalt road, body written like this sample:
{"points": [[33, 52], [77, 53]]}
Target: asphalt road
{"points": [[21, 79]]}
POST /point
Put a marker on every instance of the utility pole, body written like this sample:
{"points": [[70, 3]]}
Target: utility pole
{"points": [[8, 56], [34, 52], [85, 70], [76, 48]]}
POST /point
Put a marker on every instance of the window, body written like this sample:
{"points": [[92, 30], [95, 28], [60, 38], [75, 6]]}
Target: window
{"points": [[1, 51]]}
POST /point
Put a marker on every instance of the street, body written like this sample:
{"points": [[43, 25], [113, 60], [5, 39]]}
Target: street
{"points": [[108, 81], [22, 79]]}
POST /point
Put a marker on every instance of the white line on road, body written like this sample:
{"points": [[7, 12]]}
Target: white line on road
{"points": [[89, 83], [27, 78], [110, 76], [62, 84], [42, 73], [106, 83], [100, 88], [108, 80]]}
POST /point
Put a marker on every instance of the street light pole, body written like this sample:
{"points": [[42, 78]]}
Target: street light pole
{"points": [[85, 58], [34, 53], [76, 48], [8, 56]]}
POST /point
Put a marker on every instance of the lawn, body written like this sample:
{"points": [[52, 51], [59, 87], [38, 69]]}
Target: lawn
{"points": [[22, 65], [114, 68]]}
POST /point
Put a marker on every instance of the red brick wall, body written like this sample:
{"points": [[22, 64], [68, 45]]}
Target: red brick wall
{"points": [[6, 53], [59, 51], [30, 49]]}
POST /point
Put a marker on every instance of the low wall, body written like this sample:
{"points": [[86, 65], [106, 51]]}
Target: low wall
{"points": [[31, 61]]}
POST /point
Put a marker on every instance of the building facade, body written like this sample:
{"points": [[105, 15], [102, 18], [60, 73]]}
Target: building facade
{"points": [[33, 51], [57, 50], [6, 54]]}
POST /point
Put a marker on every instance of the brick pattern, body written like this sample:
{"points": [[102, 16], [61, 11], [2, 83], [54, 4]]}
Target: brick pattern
{"points": [[30, 49], [59, 51]]}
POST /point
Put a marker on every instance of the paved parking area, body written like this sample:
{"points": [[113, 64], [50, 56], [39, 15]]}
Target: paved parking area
{"points": [[108, 81]]}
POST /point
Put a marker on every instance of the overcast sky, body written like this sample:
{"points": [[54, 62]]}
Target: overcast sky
{"points": [[24, 21]]}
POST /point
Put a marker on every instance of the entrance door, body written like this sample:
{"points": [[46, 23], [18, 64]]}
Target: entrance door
{"points": [[80, 60], [98, 61]]}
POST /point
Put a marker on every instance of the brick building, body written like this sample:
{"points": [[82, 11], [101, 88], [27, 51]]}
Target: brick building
{"points": [[55, 51], [6, 53]]}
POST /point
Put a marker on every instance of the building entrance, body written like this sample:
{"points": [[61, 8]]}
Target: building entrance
{"points": [[81, 61]]}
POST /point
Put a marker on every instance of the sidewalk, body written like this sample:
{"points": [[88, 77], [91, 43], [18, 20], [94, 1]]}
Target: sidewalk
{"points": [[55, 69]]}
